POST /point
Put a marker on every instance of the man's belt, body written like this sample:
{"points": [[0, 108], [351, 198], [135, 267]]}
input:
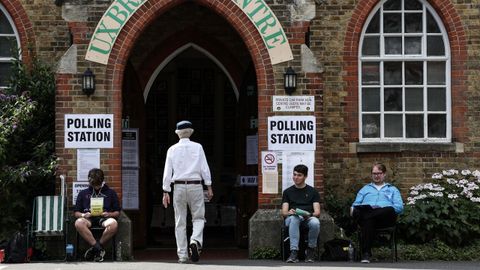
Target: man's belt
{"points": [[186, 182]]}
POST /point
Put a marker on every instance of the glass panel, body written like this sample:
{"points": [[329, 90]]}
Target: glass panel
{"points": [[413, 99], [413, 73], [435, 46], [392, 73], [5, 27], [413, 45], [374, 26], [437, 125], [412, 5], [371, 126], [393, 125], [370, 73], [7, 45], [413, 22], [392, 23], [370, 99], [392, 99], [437, 100], [393, 45], [392, 5], [5, 69], [432, 26], [371, 46], [414, 125], [436, 72]]}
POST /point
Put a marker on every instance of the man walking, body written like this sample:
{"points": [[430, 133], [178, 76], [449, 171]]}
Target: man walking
{"points": [[185, 167]]}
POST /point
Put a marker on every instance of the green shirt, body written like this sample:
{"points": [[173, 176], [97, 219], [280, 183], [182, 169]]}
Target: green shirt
{"points": [[302, 198]]}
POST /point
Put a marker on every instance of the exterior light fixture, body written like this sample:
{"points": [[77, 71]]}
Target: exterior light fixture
{"points": [[88, 82], [290, 81]]}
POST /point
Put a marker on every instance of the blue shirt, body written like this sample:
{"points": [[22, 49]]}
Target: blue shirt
{"points": [[387, 196], [110, 200]]}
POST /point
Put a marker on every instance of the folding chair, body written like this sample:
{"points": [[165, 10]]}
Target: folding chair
{"points": [[48, 217], [388, 231]]}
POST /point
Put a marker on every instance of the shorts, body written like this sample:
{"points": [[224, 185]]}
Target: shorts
{"points": [[97, 221]]}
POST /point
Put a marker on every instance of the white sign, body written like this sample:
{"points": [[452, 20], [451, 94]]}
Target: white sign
{"points": [[291, 133], [269, 161], [87, 159], [248, 180], [292, 159], [88, 131], [76, 188], [293, 103]]}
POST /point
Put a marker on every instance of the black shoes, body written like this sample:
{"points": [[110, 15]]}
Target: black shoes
{"points": [[365, 258], [99, 255], [93, 254], [194, 250], [293, 258], [310, 255]]}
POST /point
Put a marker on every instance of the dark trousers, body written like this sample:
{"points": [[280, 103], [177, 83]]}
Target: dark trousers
{"points": [[371, 219]]}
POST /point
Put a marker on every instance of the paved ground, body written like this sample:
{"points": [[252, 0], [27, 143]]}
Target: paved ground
{"points": [[239, 264]]}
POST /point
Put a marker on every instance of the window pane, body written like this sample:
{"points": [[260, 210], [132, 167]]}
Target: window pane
{"points": [[414, 125], [374, 26], [436, 72], [437, 125], [413, 45], [393, 45], [371, 46], [392, 72], [437, 100], [412, 5], [371, 125], [392, 23], [5, 27], [392, 99], [7, 45], [413, 99], [5, 69], [413, 73], [370, 99], [392, 5], [393, 125], [413, 22], [371, 73], [435, 46], [432, 26]]}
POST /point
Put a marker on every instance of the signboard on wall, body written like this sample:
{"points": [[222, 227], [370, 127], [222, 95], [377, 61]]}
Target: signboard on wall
{"points": [[291, 133], [88, 131], [293, 103], [130, 169]]}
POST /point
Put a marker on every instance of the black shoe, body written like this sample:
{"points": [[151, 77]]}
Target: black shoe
{"points": [[99, 255], [89, 254], [310, 255], [365, 258], [194, 251], [293, 258]]}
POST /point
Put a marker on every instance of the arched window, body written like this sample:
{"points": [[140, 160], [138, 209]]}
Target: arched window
{"points": [[404, 71], [9, 42]]}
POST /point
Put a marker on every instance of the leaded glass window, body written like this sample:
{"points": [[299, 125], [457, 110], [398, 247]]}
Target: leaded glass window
{"points": [[8, 45]]}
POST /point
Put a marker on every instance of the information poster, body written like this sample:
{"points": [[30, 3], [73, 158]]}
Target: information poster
{"points": [[130, 198], [292, 159], [252, 149], [130, 148], [130, 169], [76, 188], [87, 159]]}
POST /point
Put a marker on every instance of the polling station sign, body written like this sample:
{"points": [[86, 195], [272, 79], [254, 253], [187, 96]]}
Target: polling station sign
{"points": [[89, 131], [291, 133]]}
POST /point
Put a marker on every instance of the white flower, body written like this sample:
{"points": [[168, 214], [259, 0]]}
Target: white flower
{"points": [[414, 192], [463, 181], [476, 173], [436, 194], [466, 172], [452, 196], [451, 181], [475, 199], [437, 176]]}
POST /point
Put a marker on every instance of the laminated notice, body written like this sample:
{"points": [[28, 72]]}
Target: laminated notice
{"points": [[96, 206]]}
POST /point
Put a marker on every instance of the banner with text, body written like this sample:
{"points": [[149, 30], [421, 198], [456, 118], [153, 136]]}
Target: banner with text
{"points": [[291, 133], [88, 131]]}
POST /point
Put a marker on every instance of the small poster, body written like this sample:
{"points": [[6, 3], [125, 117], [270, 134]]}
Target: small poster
{"points": [[96, 206], [76, 188], [252, 149], [292, 159], [87, 159]]}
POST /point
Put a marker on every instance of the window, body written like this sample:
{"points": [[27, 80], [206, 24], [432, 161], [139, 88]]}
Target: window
{"points": [[9, 42], [404, 75]]}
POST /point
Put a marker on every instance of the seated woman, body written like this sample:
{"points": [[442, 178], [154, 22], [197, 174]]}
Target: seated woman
{"points": [[376, 206]]}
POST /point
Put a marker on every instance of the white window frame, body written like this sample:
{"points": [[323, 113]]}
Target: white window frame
{"points": [[421, 57], [15, 34]]}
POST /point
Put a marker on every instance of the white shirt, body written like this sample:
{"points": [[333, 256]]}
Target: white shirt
{"points": [[185, 161]]}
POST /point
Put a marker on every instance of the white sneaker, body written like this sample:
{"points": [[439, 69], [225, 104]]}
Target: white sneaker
{"points": [[183, 260]]}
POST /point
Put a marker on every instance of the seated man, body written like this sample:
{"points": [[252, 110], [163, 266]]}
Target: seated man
{"points": [[376, 206], [301, 207], [103, 212]]}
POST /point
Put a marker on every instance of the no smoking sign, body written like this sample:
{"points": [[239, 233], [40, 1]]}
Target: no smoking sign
{"points": [[269, 163]]}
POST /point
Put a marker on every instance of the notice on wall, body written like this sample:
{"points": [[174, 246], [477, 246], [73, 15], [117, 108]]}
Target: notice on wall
{"points": [[76, 188], [87, 159], [88, 131], [291, 133], [250, 180], [130, 196], [270, 182], [252, 150], [292, 159], [269, 161], [293, 103], [130, 148]]}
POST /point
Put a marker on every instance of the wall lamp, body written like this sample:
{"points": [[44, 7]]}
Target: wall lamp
{"points": [[290, 80], [88, 82]]}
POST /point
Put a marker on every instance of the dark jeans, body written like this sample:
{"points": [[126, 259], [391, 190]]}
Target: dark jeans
{"points": [[371, 219]]}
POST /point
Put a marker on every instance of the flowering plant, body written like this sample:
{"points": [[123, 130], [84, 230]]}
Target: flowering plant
{"points": [[447, 208]]}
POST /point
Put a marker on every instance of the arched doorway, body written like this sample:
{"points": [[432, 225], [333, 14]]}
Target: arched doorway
{"points": [[190, 63]]}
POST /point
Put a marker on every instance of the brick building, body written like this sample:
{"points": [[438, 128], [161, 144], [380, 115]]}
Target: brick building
{"points": [[395, 81]]}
